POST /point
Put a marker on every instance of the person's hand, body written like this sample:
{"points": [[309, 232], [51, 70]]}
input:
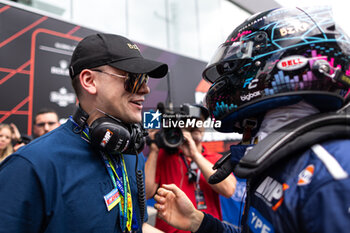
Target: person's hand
{"points": [[16, 136], [151, 135], [175, 208], [189, 147], [17, 146]]}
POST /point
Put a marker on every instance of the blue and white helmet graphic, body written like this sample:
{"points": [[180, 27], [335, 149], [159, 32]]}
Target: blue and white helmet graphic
{"points": [[277, 58]]}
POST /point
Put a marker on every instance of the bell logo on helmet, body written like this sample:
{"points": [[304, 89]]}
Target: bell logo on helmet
{"points": [[292, 63], [275, 62]]}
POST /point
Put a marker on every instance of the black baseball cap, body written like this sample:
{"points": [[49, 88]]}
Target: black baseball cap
{"points": [[116, 51]]}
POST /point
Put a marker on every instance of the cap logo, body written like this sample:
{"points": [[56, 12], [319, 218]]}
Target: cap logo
{"points": [[292, 63], [133, 46]]}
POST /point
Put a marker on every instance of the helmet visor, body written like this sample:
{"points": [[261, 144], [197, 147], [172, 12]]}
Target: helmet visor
{"points": [[227, 59]]}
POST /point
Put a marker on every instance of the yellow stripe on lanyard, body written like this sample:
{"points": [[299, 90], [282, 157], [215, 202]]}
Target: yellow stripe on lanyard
{"points": [[129, 199], [126, 203]]}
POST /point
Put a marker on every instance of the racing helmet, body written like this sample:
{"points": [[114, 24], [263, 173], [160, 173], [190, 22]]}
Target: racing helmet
{"points": [[277, 58]]}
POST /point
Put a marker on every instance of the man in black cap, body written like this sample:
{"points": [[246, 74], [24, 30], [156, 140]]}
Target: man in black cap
{"points": [[86, 175]]}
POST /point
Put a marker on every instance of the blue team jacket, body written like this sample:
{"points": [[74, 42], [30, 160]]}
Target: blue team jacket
{"points": [[57, 184], [304, 193]]}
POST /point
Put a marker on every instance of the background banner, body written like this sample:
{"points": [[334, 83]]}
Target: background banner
{"points": [[35, 53]]}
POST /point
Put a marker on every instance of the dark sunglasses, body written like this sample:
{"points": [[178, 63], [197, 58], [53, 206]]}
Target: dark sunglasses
{"points": [[133, 82]]}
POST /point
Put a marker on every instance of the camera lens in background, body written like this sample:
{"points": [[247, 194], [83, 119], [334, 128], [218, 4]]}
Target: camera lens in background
{"points": [[173, 137], [169, 139]]}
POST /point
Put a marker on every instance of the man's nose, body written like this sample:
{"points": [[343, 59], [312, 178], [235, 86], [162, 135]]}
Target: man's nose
{"points": [[144, 89], [47, 127]]}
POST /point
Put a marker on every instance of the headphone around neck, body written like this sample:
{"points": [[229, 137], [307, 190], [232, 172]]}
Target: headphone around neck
{"points": [[111, 135]]}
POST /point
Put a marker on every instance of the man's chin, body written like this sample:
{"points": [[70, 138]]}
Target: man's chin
{"points": [[133, 120]]}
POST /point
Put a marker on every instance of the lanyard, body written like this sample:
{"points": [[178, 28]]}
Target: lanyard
{"points": [[113, 174], [189, 167], [123, 185], [129, 198], [119, 184], [197, 179], [84, 132]]}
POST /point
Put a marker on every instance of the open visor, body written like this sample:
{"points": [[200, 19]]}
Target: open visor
{"points": [[227, 59]]}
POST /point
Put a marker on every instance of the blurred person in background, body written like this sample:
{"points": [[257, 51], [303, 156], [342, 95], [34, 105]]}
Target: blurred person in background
{"points": [[189, 166], [19, 139], [45, 120], [6, 134]]}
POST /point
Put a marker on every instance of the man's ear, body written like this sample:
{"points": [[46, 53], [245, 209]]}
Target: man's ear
{"points": [[87, 81]]}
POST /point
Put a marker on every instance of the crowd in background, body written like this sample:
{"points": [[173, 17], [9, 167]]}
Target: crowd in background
{"points": [[11, 139]]}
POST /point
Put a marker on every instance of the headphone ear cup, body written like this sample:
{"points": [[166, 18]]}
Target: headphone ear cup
{"points": [[138, 139], [109, 135]]}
